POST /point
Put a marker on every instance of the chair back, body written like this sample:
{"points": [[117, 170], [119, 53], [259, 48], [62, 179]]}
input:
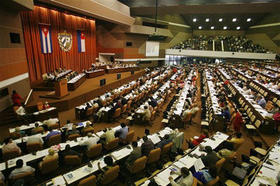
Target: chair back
{"points": [[10, 155], [138, 165], [117, 113], [129, 137], [87, 130], [38, 130], [154, 155], [94, 151], [230, 157], [166, 148], [24, 176], [89, 181], [213, 182], [54, 140], [89, 111], [194, 182], [112, 144], [54, 126], [73, 136], [33, 147], [72, 160], [49, 166], [219, 164], [110, 175]]}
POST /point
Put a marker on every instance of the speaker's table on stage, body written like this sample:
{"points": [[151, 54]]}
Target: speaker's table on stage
{"points": [[76, 81], [121, 69], [95, 73]]}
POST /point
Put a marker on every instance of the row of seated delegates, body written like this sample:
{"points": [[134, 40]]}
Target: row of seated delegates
{"points": [[99, 102], [71, 75], [204, 175], [52, 76]]}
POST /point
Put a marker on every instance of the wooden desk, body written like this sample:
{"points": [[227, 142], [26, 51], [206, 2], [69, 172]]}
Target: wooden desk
{"points": [[95, 73], [77, 83]]}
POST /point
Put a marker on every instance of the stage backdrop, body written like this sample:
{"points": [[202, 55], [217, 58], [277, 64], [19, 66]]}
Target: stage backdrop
{"points": [[58, 22]]}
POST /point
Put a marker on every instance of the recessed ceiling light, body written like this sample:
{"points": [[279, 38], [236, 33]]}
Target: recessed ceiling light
{"points": [[221, 20], [234, 19], [194, 20], [207, 19], [238, 28], [200, 27], [225, 27], [249, 19], [212, 27]]}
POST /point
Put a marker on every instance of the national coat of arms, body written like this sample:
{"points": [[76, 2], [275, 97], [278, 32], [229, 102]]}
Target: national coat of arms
{"points": [[65, 41]]}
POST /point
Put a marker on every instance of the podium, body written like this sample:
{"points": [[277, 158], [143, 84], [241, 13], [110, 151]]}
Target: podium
{"points": [[61, 88]]}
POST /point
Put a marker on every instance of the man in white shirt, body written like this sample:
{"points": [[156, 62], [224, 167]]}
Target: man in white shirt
{"points": [[34, 139], [185, 180], [20, 169], [90, 141]]}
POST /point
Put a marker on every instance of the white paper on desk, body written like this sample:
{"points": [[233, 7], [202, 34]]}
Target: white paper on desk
{"points": [[268, 173], [179, 164], [188, 161], [58, 181], [198, 165], [121, 153], [164, 175], [154, 138]]}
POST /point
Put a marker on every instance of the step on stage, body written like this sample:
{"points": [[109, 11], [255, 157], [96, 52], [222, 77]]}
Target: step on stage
{"points": [[88, 90]]}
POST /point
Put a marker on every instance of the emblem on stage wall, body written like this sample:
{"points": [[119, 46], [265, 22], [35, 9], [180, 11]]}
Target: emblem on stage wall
{"points": [[65, 41]]}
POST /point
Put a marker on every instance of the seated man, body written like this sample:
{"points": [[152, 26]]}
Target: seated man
{"points": [[90, 141], [50, 122], [108, 136], [196, 141], [34, 139], [237, 141], [185, 180], [68, 152], [226, 151], [51, 156], [20, 169], [72, 131], [211, 158], [52, 133], [164, 141], [134, 155], [206, 175], [122, 132], [37, 129], [147, 114], [261, 101], [10, 146], [147, 146]]}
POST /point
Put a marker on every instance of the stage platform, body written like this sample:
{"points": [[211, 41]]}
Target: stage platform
{"points": [[87, 91]]}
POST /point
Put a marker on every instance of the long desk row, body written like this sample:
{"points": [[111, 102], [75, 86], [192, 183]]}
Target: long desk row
{"points": [[192, 158], [264, 89], [269, 169], [42, 153], [84, 171]]}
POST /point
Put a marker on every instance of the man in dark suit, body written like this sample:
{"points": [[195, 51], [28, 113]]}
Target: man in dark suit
{"points": [[147, 146], [134, 155], [211, 158]]}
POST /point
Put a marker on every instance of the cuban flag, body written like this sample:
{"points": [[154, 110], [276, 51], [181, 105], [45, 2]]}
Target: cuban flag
{"points": [[81, 41], [46, 39]]}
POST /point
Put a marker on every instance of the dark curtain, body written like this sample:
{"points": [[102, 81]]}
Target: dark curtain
{"points": [[39, 63]]}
